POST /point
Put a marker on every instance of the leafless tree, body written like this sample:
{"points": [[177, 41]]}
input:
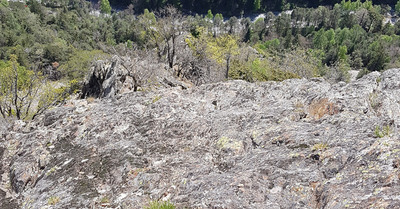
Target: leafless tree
{"points": [[170, 25]]}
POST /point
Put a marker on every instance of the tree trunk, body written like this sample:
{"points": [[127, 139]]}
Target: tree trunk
{"points": [[228, 59], [171, 64], [15, 93]]}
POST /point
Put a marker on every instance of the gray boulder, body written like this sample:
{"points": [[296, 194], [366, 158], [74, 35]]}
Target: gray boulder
{"points": [[118, 75]]}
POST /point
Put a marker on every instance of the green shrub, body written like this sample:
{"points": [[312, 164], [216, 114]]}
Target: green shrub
{"points": [[25, 93], [160, 205], [382, 132], [58, 51], [53, 200], [77, 67]]}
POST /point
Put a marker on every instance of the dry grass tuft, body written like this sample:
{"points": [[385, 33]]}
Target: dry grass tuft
{"points": [[320, 107]]}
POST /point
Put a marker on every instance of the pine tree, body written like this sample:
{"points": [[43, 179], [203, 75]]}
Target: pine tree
{"points": [[257, 5], [397, 7], [209, 15], [105, 6]]}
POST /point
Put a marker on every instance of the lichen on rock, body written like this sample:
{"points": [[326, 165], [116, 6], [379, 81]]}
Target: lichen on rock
{"points": [[292, 144]]}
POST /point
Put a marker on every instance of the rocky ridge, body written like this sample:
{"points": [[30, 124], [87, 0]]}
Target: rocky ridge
{"points": [[293, 144]]}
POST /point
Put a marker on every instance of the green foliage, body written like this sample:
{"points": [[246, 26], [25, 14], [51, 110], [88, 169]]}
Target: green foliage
{"points": [[343, 53], [221, 48], [3, 3], [77, 67], [284, 5], [209, 15], [155, 99], [382, 132], [263, 71], [129, 44], [319, 41], [53, 200], [160, 205], [58, 51], [105, 7], [197, 42], [356, 5], [397, 7], [361, 73], [319, 147], [341, 70], [258, 70], [377, 56], [15, 84], [25, 93], [301, 63], [257, 5], [105, 200], [374, 101], [272, 45], [218, 17], [146, 33]]}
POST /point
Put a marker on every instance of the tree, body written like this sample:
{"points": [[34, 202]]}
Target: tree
{"points": [[257, 5], [258, 30], [246, 31], [209, 15], [233, 25], [342, 54], [24, 93], [397, 7], [15, 88], [105, 6], [77, 67], [377, 56], [222, 49], [218, 22], [320, 40], [169, 26]]}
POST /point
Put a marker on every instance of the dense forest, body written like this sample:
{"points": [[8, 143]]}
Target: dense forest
{"points": [[46, 47], [230, 7]]}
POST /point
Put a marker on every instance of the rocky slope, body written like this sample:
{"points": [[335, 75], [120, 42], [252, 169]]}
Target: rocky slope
{"points": [[294, 144]]}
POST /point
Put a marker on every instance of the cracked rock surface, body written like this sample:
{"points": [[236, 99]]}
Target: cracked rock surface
{"points": [[294, 144]]}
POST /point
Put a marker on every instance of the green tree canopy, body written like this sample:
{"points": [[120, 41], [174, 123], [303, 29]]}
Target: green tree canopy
{"points": [[397, 7], [3, 3], [209, 15], [25, 93], [105, 7], [257, 5]]}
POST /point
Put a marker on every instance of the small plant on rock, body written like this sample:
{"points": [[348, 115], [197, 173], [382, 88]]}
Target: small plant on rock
{"points": [[382, 132], [320, 146], [53, 200], [104, 200], [160, 205], [155, 99], [374, 101]]}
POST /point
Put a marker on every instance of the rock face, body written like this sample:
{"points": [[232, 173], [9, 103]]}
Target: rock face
{"points": [[294, 144], [117, 75]]}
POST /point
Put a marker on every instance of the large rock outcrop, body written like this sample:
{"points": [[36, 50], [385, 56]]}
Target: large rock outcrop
{"points": [[294, 144], [117, 75]]}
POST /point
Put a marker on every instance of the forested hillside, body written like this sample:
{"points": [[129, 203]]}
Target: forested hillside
{"points": [[231, 7], [56, 41]]}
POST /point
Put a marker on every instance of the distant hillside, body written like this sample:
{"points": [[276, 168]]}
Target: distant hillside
{"points": [[230, 7]]}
